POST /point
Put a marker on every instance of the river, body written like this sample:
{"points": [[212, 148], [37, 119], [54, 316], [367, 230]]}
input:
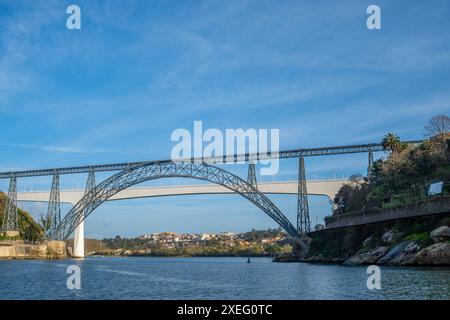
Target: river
{"points": [[213, 278]]}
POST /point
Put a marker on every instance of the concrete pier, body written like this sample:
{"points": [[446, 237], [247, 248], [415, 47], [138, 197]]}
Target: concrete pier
{"points": [[78, 241]]}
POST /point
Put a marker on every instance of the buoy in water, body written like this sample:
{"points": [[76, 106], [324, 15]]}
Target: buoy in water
{"points": [[248, 260]]}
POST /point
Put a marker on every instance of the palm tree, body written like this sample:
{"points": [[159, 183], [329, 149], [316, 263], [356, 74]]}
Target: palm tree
{"points": [[392, 142]]}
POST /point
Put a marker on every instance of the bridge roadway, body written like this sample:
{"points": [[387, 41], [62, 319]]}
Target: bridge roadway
{"points": [[327, 188]]}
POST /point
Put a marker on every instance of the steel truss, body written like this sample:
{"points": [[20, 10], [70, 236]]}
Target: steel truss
{"points": [[138, 174], [90, 182], [251, 176], [370, 167], [294, 153], [10, 217], [303, 223], [54, 207]]}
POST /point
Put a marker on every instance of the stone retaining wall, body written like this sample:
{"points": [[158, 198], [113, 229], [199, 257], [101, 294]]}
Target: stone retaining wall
{"points": [[20, 250]]}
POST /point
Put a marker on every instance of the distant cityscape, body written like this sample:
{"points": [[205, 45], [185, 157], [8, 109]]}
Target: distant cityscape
{"points": [[172, 239], [265, 242]]}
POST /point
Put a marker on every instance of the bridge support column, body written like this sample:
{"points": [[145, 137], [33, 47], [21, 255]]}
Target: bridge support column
{"points": [[54, 206], [10, 218], [251, 176], [303, 223], [78, 241], [370, 167]]}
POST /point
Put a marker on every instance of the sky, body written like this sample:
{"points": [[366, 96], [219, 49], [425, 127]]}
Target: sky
{"points": [[116, 89]]}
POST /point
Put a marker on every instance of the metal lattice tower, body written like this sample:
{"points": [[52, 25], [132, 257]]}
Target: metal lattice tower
{"points": [[370, 167], [10, 217], [251, 176], [54, 206], [303, 224], [90, 183]]}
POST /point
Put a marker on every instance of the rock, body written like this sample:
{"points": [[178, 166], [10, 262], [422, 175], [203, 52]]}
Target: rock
{"points": [[318, 258], [337, 260], [369, 257], [287, 257], [389, 236], [402, 254], [440, 234], [368, 241], [436, 254]]}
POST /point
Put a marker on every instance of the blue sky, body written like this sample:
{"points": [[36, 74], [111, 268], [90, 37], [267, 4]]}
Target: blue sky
{"points": [[116, 89]]}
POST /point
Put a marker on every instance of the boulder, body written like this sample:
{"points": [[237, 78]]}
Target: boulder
{"points": [[436, 254], [368, 241], [402, 254], [389, 236], [369, 257], [440, 234], [287, 257]]}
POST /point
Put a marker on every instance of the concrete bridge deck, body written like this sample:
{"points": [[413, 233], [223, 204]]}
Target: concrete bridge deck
{"points": [[315, 187]]}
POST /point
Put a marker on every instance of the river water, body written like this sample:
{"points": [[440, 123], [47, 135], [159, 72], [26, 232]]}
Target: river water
{"points": [[213, 278]]}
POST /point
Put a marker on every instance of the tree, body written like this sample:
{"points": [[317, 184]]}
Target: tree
{"points": [[356, 178], [438, 129], [392, 143], [342, 198], [437, 125]]}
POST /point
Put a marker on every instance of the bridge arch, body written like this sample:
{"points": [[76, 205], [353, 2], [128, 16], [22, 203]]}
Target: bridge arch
{"points": [[166, 169]]}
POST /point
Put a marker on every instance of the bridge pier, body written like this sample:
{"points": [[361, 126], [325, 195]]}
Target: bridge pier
{"points": [[78, 241], [78, 238], [251, 176], [54, 206], [303, 223], [370, 167]]}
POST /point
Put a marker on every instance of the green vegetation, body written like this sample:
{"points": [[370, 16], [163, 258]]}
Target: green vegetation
{"points": [[404, 176], [29, 229], [258, 235], [217, 250], [422, 238]]}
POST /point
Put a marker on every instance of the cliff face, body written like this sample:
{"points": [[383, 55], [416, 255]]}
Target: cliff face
{"points": [[418, 241]]}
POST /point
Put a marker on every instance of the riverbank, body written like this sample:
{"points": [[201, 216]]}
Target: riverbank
{"points": [[18, 249], [414, 242], [136, 254]]}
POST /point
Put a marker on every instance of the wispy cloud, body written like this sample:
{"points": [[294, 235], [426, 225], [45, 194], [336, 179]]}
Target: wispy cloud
{"points": [[52, 148], [116, 89]]}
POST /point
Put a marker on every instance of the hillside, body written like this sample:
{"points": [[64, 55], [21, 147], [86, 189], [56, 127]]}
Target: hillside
{"points": [[29, 229], [400, 179]]}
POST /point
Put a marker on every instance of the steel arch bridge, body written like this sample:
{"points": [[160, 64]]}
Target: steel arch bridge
{"points": [[166, 169]]}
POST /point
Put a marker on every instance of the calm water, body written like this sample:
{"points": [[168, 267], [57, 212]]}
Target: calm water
{"points": [[213, 278]]}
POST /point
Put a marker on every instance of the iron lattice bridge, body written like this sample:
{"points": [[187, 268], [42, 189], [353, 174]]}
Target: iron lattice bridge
{"points": [[198, 168]]}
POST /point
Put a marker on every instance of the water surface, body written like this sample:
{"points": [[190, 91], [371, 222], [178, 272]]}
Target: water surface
{"points": [[214, 278]]}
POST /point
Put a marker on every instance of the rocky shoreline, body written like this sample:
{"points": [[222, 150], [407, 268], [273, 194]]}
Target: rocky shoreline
{"points": [[392, 248]]}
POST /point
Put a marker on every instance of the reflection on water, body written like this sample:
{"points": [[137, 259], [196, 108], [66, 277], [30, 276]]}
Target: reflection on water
{"points": [[214, 278]]}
